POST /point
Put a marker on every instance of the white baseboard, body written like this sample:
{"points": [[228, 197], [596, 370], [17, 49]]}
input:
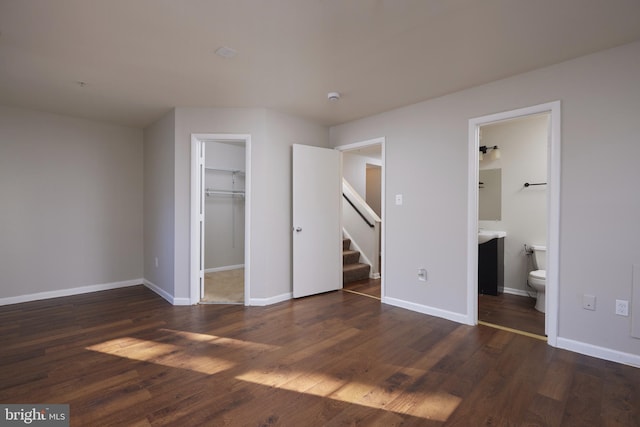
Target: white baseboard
{"points": [[449, 315], [70, 291], [271, 300], [514, 291], [166, 295], [599, 352], [224, 268]]}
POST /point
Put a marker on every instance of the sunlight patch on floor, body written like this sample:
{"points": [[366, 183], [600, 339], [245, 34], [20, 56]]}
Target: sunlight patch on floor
{"points": [[433, 406], [222, 341], [169, 355]]}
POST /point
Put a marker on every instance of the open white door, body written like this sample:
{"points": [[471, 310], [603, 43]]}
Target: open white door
{"points": [[317, 237]]}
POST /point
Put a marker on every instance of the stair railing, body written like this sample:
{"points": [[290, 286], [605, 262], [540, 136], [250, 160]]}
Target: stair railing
{"points": [[358, 211], [362, 225]]}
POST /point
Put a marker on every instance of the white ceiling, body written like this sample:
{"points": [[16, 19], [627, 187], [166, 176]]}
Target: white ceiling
{"points": [[139, 58]]}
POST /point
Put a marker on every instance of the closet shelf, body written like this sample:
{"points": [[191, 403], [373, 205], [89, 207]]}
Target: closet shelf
{"points": [[231, 171]]}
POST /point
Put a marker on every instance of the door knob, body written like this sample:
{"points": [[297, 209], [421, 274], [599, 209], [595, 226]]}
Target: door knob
{"points": [[298, 229]]}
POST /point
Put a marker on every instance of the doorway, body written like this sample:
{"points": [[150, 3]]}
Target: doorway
{"points": [[364, 172], [550, 194], [220, 217], [512, 200]]}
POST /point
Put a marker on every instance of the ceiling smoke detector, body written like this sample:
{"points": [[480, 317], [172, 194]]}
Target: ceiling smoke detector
{"points": [[226, 52], [333, 96]]}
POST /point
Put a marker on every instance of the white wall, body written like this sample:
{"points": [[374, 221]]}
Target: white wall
{"points": [[224, 214], [354, 170], [159, 199], [210, 120], [523, 158], [426, 161], [275, 212], [272, 135], [71, 214]]}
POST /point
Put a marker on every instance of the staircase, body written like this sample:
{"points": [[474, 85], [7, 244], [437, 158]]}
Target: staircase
{"points": [[352, 269]]}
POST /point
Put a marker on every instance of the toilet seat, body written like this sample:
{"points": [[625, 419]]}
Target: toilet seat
{"points": [[538, 275], [537, 280]]}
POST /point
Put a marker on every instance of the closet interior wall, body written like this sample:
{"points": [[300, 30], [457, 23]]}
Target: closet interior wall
{"points": [[224, 206]]}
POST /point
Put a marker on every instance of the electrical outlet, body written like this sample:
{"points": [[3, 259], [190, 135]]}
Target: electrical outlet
{"points": [[589, 302], [622, 307], [156, 262], [422, 274]]}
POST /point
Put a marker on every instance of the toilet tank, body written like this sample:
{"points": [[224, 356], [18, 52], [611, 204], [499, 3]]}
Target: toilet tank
{"points": [[539, 257]]}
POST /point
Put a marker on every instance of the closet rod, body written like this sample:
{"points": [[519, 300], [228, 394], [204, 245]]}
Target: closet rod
{"points": [[225, 192], [233, 171]]}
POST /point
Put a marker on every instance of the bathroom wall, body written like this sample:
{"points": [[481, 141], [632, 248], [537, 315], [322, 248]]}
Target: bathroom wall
{"points": [[523, 158]]}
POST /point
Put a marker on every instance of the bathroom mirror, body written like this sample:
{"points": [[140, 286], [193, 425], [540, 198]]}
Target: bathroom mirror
{"points": [[490, 195]]}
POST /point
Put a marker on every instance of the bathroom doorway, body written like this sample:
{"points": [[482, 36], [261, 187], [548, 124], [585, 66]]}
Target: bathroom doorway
{"points": [[515, 194], [512, 201]]}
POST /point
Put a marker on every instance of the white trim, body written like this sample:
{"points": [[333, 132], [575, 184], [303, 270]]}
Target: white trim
{"points": [[166, 295], [514, 291], [196, 218], [431, 311], [271, 300], [69, 291], [382, 141], [224, 268], [194, 284], [599, 352], [553, 212]]}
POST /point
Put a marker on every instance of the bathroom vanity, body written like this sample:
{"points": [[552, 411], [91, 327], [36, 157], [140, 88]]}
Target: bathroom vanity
{"points": [[491, 262]]}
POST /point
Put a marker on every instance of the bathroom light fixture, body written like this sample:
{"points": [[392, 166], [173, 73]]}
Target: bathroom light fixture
{"points": [[494, 155]]}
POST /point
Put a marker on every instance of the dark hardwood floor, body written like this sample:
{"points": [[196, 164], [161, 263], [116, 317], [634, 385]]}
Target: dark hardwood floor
{"points": [[127, 358], [512, 311], [368, 287], [509, 311]]}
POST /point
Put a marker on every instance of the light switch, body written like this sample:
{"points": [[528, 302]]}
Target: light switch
{"points": [[398, 199]]}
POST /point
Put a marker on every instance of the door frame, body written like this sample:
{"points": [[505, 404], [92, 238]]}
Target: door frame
{"points": [[196, 253], [383, 190], [553, 211]]}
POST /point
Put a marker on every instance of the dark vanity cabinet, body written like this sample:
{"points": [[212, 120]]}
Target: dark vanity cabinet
{"points": [[491, 267]]}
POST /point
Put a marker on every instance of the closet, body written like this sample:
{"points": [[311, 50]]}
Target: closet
{"points": [[224, 222]]}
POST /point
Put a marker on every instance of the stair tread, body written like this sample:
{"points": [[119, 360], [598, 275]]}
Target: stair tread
{"points": [[355, 272], [356, 266]]}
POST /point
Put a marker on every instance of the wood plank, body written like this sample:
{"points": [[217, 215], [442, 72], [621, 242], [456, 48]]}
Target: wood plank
{"points": [[126, 357], [512, 311]]}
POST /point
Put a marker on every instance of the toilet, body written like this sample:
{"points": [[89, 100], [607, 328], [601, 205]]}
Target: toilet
{"points": [[538, 277]]}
